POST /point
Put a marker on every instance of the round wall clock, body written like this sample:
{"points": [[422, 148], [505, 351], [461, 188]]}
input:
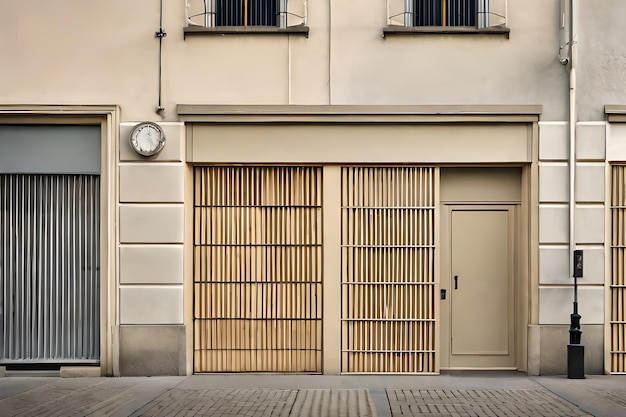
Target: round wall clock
{"points": [[147, 138]]}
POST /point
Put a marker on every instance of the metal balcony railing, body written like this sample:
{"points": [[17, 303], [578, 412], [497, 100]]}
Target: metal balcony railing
{"points": [[447, 13], [220, 13]]}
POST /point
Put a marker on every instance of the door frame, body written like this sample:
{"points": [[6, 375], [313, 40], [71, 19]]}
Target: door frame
{"points": [[446, 279], [108, 118], [488, 188]]}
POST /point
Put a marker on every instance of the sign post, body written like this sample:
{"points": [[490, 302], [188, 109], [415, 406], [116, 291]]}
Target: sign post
{"points": [[575, 349]]}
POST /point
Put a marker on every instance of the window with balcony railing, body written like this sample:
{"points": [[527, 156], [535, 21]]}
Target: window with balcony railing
{"points": [[246, 16], [447, 16]]}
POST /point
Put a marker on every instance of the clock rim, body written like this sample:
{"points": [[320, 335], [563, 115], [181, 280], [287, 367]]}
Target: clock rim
{"points": [[136, 130]]}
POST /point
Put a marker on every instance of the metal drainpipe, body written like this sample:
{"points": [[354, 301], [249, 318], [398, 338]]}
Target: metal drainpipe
{"points": [[575, 349], [160, 35], [572, 128]]}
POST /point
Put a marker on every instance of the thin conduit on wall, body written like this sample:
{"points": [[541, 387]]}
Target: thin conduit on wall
{"points": [[388, 273], [618, 273], [49, 266], [257, 269]]}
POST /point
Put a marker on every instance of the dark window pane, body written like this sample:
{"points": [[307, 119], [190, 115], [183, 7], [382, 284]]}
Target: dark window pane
{"points": [[428, 12], [262, 12], [233, 12], [228, 12], [456, 13], [461, 13]]}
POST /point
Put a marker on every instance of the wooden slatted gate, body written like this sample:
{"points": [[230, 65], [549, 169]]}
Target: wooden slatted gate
{"points": [[257, 269], [388, 279], [618, 273]]}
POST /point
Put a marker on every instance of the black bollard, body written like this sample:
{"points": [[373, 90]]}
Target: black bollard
{"points": [[575, 350]]}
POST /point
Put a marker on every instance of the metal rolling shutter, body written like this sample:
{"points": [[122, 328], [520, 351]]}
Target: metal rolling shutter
{"points": [[49, 268]]}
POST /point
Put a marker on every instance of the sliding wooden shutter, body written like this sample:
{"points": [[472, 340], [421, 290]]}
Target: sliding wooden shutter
{"points": [[618, 273], [258, 269], [388, 277]]}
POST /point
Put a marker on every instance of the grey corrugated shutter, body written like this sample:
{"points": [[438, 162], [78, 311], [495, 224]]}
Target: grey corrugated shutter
{"points": [[49, 268]]}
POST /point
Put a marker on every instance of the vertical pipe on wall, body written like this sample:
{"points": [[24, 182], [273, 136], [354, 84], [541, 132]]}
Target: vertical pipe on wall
{"points": [[575, 350], [283, 23], [330, 52], [207, 9], [408, 14], [160, 35], [573, 42]]}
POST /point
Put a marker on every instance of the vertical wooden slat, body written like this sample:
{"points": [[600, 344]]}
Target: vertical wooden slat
{"points": [[618, 273], [387, 277], [257, 288]]}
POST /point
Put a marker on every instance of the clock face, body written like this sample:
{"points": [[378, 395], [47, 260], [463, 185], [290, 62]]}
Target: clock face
{"points": [[147, 139]]}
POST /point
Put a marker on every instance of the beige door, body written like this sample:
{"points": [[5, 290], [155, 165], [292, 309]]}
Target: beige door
{"points": [[479, 309]]}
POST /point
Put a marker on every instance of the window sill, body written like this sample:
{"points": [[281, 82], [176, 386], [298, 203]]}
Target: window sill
{"points": [[246, 30], [445, 30]]}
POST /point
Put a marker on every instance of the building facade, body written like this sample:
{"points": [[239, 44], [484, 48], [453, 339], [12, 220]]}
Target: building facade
{"points": [[382, 186]]}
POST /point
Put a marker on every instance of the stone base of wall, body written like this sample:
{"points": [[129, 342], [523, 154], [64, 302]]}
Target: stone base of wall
{"points": [[80, 371], [547, 353], [152, 350]]}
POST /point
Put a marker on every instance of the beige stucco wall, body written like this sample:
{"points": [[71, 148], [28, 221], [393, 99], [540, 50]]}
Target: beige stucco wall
{"points": [[555, 282], [361, 143], [151, 232], [555, 286], [81, 53], [151, 272], [65, 52], [601, 76]]}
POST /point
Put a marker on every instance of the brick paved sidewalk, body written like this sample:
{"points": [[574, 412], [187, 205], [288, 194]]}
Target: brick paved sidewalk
{"points": [[151, 397], [261, 403], [222, 403], [82, 396], [471, 403], [314, 396]]}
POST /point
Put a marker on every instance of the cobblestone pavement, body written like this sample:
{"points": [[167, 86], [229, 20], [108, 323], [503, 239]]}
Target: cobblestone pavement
{"points": [[471, 403]]}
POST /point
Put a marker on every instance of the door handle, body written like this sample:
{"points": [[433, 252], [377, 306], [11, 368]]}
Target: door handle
{"points": [[456, 282]]}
